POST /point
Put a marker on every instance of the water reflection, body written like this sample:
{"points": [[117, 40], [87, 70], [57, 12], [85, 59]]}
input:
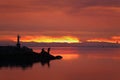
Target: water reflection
{"points": [[101, 56], [23, 65], [29, 64], [71, 53], [70, 56], [99, 53], [77, 64]]}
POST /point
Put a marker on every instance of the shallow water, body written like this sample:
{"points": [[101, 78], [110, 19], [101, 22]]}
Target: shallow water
{"points": [[77, 64]]}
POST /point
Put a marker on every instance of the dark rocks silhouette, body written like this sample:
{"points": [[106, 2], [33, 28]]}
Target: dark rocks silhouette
{"points": [[11, 56], [17, 56], [47, 56]]}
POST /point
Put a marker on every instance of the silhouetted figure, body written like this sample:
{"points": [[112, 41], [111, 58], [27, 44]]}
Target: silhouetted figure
{"points": [[46, 62], [18, 41], [48, 50], [42, 50]]}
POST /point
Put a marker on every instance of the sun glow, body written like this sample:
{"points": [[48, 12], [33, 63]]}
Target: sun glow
{"points": [[99, 40], [49, 39], [69, 56], [104, 40]]}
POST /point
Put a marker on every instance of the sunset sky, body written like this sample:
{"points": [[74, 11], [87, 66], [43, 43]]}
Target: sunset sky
{"points": [[61, 20]]}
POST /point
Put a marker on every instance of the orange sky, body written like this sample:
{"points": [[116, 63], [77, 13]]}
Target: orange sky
{"points": [[86, 20]]}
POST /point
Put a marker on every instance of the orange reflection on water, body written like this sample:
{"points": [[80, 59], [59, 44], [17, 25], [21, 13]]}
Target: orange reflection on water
{"points": [[70, 56], [113, 57]]}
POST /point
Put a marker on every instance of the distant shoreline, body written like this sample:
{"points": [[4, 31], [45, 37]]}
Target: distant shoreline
{"points": [[83, 45]]}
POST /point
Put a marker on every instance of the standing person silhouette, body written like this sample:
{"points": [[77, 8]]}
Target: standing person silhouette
{"points": [[43, 51], [49, 50]]}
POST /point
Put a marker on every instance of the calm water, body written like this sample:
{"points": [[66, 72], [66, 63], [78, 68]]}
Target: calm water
{"points": [[77, 64]]}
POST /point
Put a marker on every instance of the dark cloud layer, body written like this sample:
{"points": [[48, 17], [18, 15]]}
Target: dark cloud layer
{"points": [[38, 5], [50, 17]]}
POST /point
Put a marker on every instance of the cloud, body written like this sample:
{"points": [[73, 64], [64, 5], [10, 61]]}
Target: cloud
{"points": [[65, 5], [77, 3], [116, 37], [51, 17], [113, 39]]}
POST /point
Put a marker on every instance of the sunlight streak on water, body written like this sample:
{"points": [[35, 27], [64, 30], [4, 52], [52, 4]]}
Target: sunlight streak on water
{"points": [[69, 56]]}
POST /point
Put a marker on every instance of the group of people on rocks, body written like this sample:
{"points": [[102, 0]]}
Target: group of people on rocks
{"points": [[45, 52]]}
